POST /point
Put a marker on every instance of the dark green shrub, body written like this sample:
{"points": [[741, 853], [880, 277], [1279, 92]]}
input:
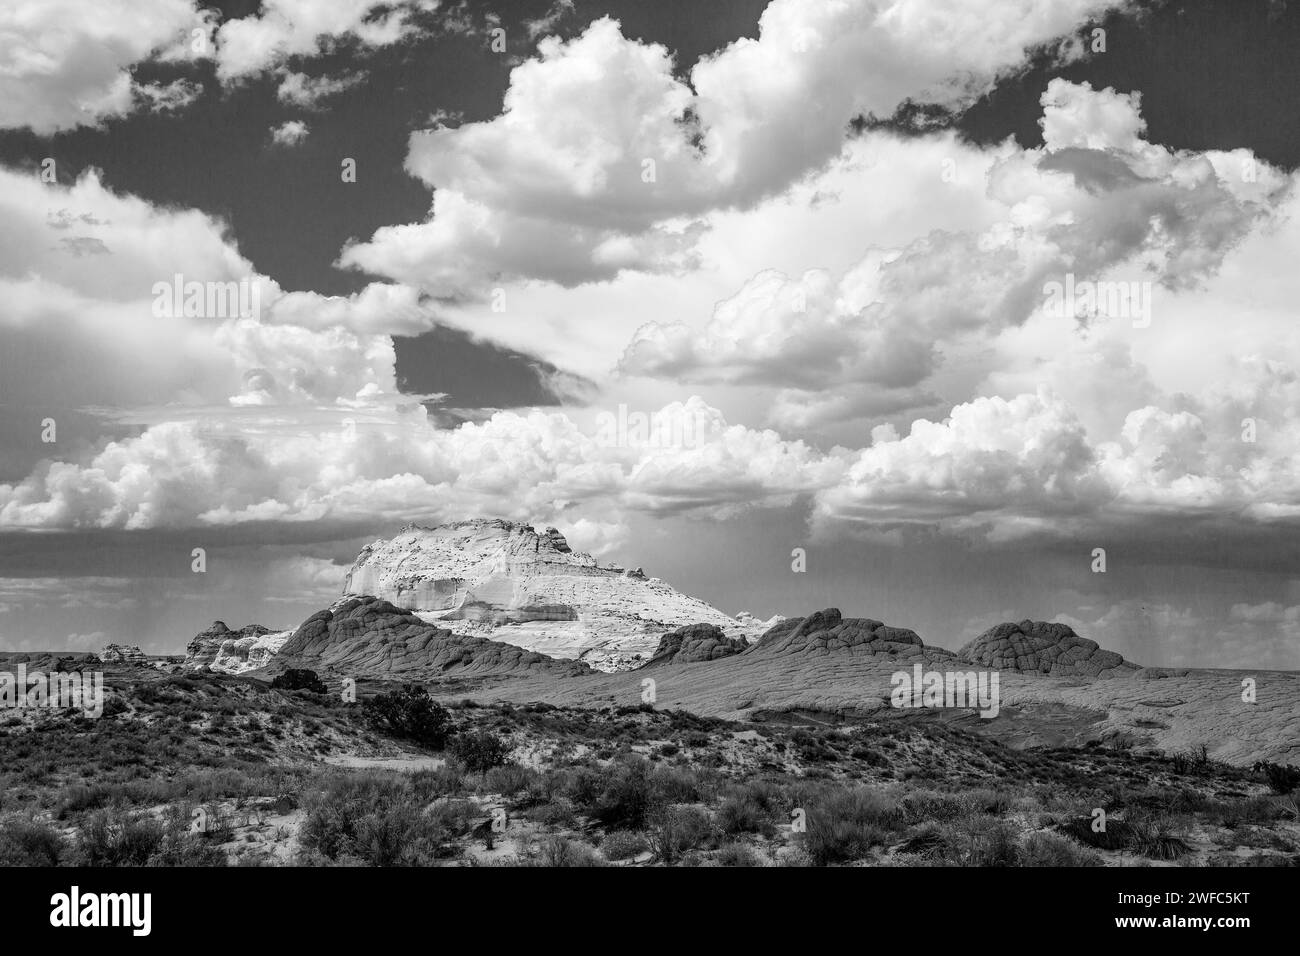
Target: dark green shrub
{"points": [[299, 679], [478, 751], [409, 713], [30, 843]]}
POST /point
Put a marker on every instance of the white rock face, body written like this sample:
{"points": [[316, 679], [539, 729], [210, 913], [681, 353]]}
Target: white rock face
{"points": [[506, 581], [248, 653]]}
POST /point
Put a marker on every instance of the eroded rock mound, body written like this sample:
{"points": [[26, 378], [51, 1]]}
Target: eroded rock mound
{"points": [[696, 642], [826, 632], [1042, 647], [234, 652], [369, 637], [124, 655]]}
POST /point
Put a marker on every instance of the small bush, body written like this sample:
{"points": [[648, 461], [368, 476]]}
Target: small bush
{"points": [[623, 845], [1048, 849], [559, 851], [409, 713], [673, 831], [478, 751], [1282, 778], [299, 679], [30, 843], [736, 854], [843, 826]]}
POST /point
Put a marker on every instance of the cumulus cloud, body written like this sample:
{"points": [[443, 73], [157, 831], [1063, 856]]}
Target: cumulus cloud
{"points": [[193, 474], [606, 153], [98, 314], [1026, 466], [1096, 202], [67, 62]]}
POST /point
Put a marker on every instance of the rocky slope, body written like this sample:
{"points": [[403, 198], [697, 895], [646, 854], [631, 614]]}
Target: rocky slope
{"points": [[370, 638], [234, 652], [498, 579], [1040, 647]]}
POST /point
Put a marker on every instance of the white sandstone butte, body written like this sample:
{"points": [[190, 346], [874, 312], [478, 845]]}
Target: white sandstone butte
{"points": [[502, 580]]}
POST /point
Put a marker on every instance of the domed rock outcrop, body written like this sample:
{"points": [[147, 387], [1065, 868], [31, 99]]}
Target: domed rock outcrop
{"points": [[826, 632], [369, 637], [696, 642], [1043, 647]]}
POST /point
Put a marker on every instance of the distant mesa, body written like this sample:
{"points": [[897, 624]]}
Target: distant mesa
{"points": [[370, 637], [1043, 647], [488, 577], [695, 642]]}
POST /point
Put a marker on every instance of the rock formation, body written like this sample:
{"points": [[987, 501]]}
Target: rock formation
{"points": [[234, 652], [695, 642], [826, 632], [1041, 647], [369, 637], [123, 655], [498, 579]]}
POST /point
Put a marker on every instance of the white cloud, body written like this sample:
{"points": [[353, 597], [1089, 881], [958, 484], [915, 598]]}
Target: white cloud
{"points": [[287, 28], [1097, 205], [189, 474], [308, 92], [95, 313], [289, 133], [567, 159], [66, 63]]}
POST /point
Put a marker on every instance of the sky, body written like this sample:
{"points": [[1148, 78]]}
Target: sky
{"points": [[969, 311]]}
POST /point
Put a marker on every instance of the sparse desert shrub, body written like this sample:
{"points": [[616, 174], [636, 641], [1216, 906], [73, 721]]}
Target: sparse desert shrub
{"points": [[993, 842], [372, 818], [674, 785], [623, 796], [443, 781], [557, 816], [106, 838], [1158, 841], [560, 851], [30, 843], [672, 831], [736, 854], [623, 845], [408, 713], [1117, 835], [1282, 778], [844, 825], [508, 779], [478, 751], [1049, 849], [743, 813]]}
